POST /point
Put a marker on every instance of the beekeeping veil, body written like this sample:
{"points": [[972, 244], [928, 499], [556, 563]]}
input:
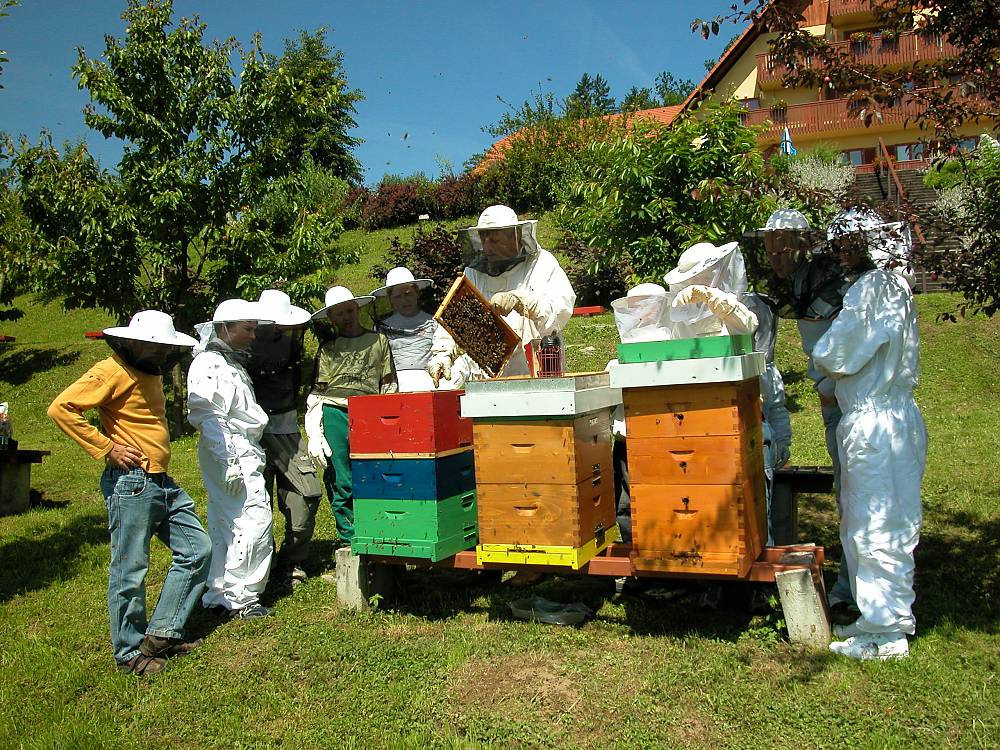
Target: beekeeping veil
{"points": [[483, 252], [790, 263], [149, 342]]}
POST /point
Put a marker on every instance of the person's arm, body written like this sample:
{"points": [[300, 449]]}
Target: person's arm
{"points": [[388, 382], [68, 409], [772, 391], [545, 297], [210, 397], [855, 335], [444, 352]]}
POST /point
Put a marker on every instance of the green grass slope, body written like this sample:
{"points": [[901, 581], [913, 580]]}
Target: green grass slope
{"points": [[447, 667]]}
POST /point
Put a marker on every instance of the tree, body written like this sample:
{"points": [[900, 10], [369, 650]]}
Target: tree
{"points": [[643, 197], [591, 98], [671, 90], [319, 129], [637, 99], [4, 5], [946, 94], [205, 204]]}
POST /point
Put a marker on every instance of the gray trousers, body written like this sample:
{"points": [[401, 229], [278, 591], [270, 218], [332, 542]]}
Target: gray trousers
{"points": [[299, 488]]}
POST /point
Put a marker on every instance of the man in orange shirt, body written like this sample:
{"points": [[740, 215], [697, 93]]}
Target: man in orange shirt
{"points": [[141, 499]]}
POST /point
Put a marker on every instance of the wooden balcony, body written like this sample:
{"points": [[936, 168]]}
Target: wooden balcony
{"points": [[841, 10], [908, 49], [830, 118]]}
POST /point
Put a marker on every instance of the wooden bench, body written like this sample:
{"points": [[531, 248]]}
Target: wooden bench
{"points": [[788, 481], [15, 479]]}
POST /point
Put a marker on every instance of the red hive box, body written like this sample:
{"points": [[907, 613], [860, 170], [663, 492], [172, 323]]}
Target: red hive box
{"points": [[424, 424]]}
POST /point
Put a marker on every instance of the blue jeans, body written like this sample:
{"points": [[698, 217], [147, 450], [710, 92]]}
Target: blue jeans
{"points": [[140, 505]]}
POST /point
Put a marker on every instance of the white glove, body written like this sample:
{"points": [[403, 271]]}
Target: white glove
{"points": [[234, 478], [439, 368], [736, 316], [316, 445], [521, 302]]}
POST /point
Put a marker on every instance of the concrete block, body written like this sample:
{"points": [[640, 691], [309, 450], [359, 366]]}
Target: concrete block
{"points": [[804, 609], [359, 580]]}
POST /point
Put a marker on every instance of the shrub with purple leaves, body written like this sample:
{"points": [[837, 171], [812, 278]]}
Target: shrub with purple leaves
{"points": [[434, 253]]}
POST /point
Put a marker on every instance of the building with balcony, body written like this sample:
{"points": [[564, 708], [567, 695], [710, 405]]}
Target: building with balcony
{"points": [[748, 72]]}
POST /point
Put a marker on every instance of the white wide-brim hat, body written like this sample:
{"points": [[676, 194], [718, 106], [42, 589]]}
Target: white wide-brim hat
{"points": [[397, 277], [153, 326], [235, 310], [500, 217], [338, 295], [277, 306], [696, 259], [786, 218]]}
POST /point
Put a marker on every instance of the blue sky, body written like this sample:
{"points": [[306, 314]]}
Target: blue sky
{"points": [[431, 71]]}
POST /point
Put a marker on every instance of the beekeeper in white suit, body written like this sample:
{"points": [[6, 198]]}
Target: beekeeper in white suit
{"points": [[522, 281], [222, 407], [871, 352]]}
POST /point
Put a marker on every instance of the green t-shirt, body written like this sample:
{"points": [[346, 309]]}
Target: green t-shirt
{"points": [[352, 366]]}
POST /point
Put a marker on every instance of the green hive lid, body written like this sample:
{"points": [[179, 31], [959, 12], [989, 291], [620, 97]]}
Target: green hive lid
{"points": [[696, 348]]}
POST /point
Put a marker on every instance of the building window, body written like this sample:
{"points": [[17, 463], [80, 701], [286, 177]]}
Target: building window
{"points": [[858, 156], [750, 104], [908, 151]]}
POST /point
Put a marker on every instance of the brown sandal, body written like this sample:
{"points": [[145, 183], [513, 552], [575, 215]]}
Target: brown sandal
{"points": [[142, 665]]}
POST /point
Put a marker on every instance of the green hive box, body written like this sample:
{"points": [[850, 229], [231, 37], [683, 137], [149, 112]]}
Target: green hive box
{"points": [[698, 348], [432, 529]]}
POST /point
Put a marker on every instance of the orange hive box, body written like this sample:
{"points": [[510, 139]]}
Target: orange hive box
{"points": [[697, 477], [544, 481]]}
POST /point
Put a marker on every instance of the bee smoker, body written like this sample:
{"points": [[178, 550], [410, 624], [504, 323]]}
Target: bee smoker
{"points": [[551, 357]]}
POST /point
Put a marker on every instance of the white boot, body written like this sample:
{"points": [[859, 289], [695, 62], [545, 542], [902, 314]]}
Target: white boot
{"points": [[866, 646]]}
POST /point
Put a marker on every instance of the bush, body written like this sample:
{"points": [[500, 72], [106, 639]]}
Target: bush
{"points": [[945, 174], [398, 201], [539, 158], [456, 196], [352, 208], [435, 253], [594, 282]]}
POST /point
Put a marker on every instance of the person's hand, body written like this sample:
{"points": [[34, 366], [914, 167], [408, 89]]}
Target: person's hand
{"points": [[690, 295], [782, 454], [318, 450], [234, 478], [439, 368], [124, 456], [505, 302]]}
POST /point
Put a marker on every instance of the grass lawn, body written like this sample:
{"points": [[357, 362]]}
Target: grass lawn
{"points": [[446, 666]]}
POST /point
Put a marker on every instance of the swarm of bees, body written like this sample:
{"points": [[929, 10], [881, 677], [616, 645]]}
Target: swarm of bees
{"points": [[474, 327]]}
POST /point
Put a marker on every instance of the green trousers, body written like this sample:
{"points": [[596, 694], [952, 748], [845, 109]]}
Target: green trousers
{"points": [[337, 477]]}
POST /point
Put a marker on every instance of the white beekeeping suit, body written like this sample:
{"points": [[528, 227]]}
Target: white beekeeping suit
{"points": [[871, 352], [222, 407], [529, 289], [706, 287]]}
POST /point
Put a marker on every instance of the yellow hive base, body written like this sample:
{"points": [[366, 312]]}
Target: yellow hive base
{"points": [[537, 554]]}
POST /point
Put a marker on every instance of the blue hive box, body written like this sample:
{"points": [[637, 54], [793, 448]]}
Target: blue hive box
{"points": [[414, 478]]}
